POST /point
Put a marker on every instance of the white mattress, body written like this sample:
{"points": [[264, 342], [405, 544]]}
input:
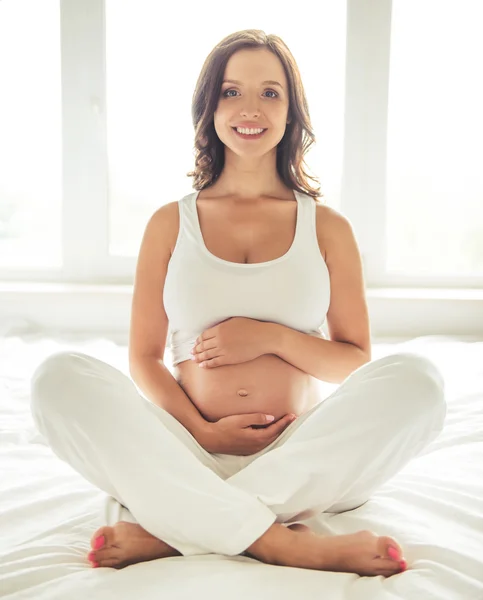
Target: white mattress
{"points": [[434, 507]]}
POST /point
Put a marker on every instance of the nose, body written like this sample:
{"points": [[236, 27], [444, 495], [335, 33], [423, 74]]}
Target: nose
{"points": [[251, 108], [249, 114]]}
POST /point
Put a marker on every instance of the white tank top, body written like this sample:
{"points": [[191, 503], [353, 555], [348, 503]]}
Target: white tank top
{"points": [[202, 290]]}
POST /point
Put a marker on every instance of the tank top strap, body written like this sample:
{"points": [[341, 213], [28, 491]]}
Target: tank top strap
{"points": [[307, 224], [188, 227]]}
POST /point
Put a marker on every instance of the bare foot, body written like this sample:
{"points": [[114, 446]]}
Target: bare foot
{"points": [[363, 552], [126, 544]]}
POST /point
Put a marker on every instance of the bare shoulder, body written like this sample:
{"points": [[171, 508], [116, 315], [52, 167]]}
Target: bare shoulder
{"points": [[166, 222], [327, 216], [335, 233], [331, 226]]}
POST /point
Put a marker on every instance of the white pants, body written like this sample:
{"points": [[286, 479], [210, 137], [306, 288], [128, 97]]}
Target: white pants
{"points": [[331, 459]]}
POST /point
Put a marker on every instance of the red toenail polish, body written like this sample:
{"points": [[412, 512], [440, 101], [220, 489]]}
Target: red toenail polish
{"points": [[95, 564], [99, 542], [393, 553], [90, 556], [404, 564]]}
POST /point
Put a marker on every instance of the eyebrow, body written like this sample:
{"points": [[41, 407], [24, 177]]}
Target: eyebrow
{"points": [[268, 82]]}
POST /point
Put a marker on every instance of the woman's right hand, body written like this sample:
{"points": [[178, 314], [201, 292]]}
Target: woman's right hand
{"points": [[242, 435]]}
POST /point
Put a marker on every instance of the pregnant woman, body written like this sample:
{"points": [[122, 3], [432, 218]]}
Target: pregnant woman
{"points": [[227, 454]]}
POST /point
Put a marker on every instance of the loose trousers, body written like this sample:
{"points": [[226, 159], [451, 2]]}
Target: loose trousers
{"points": [[330, 459]]}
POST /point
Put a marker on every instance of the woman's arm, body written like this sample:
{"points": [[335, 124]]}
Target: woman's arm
{"points": [[160, 387], [149, 323]]}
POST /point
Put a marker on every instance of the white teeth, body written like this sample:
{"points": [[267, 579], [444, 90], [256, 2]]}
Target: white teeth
{"points": [[248, 131]]}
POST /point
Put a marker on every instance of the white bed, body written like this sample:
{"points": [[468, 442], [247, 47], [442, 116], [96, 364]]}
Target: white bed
{"points": [[434, 507]]}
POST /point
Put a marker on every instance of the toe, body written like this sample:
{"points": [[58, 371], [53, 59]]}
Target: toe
{"points": [[100, 556], [113, 563], [93, 558], [106, 558], [102, 537], [389, 548], [386, 567]]}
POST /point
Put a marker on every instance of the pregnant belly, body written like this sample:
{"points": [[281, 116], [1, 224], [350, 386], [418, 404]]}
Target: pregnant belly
{"points": [[266, 385]]}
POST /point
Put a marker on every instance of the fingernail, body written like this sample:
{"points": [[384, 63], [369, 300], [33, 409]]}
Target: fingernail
{"points": [[99, 542], [393, 553]]}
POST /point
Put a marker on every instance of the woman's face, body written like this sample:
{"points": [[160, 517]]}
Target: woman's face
{"points": [[252, 100]]}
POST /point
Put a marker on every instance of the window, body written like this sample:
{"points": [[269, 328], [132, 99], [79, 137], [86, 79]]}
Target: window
{"points": [[30, 135], [91, 145], [435, 139]]}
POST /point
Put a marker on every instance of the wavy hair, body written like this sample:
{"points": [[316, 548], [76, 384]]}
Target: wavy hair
{"points": [[298, 138]]}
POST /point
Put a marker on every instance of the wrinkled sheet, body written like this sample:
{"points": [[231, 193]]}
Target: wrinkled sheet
{"points": [[433, 507]]}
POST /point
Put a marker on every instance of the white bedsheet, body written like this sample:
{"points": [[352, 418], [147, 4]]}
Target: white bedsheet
{"points": [[434, 507]]}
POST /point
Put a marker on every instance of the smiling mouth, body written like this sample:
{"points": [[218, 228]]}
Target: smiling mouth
{"points": [[249, 135]]}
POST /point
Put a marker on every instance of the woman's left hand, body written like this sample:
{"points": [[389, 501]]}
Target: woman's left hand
{"points": [[233, 341]]}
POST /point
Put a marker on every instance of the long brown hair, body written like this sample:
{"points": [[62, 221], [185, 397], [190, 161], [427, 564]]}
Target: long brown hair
{"points": [[298, 138]]}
